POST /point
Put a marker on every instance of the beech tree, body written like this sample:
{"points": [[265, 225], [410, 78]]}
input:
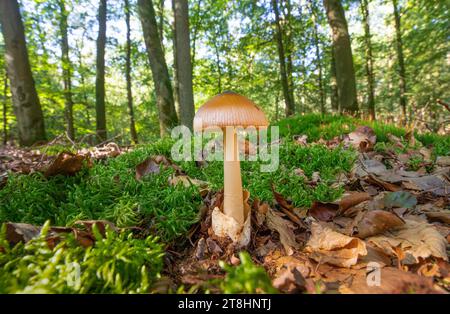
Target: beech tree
{"points": [[345, 73], [163, 87], [27, 108]]}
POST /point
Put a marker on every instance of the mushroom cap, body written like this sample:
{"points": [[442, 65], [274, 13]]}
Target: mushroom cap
{"points": [[229, 109]]}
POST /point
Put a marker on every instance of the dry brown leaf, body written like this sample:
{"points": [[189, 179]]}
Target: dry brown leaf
{"points": [[377, 221], [328, 246], [67, 164], [186, 181], [416, 238], [363, 138], [392, 281], [284, 228], [327, 211], [443, 161], [301, 140], [323, 211], [153, 164], [443, 216]]}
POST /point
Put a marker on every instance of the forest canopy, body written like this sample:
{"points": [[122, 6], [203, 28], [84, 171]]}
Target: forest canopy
{"points": [[282, 54]]}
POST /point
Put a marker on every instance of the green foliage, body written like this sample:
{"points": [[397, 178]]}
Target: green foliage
{"points": [[117, 263], [245, 278], [106, 191]]}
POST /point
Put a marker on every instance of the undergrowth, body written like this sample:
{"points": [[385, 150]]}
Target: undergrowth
{"points": [[117, 263]]}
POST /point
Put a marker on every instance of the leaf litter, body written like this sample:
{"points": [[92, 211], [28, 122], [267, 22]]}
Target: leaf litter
{"points": [[389, 214]]}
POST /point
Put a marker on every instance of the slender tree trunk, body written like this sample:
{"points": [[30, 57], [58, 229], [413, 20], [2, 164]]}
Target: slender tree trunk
{"points": [[369, 59], [161, 22], [100, 79], [163, 88], [195, 32], [284, 79], [27, 108], [318, 59], [184, 66], [133, 132], [66, 69], [219, 70], [176, 84], [5, 109], [290, 50], [334, 96], [345, 73], [401, 60]]}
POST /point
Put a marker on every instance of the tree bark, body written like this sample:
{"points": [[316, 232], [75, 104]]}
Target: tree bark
{"points": [[66, 69], [133, 132], [369, 59], [27, 108], [219, 70], [334, 96], [345, 73], [176, 84], [401, 60], [184, 65], [318, 59], [290, 51], [161, 21], [290, 109], [163, 88], [5, 109], [100, 78]]}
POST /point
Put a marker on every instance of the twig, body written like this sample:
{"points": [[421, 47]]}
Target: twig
{"points": [[443, 103]]}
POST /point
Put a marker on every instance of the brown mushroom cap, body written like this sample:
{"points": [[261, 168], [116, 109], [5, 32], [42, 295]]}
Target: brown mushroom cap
{"points": [[229, 109]]}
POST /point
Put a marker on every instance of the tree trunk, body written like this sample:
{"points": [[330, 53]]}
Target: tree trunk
{"points": [[369, 59], [334, 96], [219, 71], [345, 73], [290, 50], [318, 59], [27, 108], [284, 79], [100, 79], [133, 132], [176, 84], [401, 60], [161, 21], [5, 109], [163, 88], [184, 65], [66, 69]]}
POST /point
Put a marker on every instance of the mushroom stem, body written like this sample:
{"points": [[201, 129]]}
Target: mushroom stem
{"points": [[233, 203]]}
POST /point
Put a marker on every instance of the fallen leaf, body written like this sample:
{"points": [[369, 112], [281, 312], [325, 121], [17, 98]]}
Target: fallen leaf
{"points": [[67, 163], [186, 181], [443, 161], [284, 228], [443, 216], [301, 140], [418, 239], [377, 221], [363, 138], [400, 199], [392, 281], [152, 165], [352, 199], [328, 246], [323, 211], [326, 211], [290, 280]]}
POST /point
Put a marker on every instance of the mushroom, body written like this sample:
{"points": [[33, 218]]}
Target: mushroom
{"points": [[228, 111]]}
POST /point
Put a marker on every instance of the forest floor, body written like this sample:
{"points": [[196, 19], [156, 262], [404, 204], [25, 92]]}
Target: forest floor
{"points": [[354, 207]]}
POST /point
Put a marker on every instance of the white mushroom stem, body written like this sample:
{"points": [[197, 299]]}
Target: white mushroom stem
{"points": [[233, 203]]}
